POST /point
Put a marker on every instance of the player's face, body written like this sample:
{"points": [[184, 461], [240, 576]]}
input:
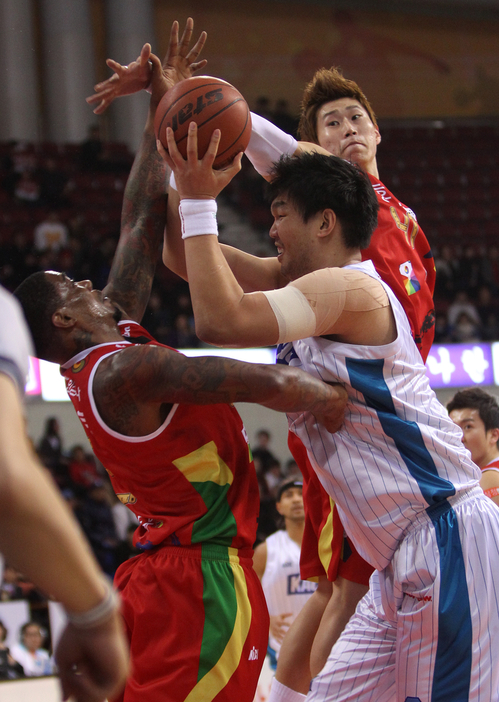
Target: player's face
{"points": [[345, 129], [290, 505], [82, 299], [475, 438], [294, 239]]}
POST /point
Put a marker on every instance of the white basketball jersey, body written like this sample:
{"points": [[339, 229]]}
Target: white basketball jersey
{"points": [[281, 583], [398, 452]]}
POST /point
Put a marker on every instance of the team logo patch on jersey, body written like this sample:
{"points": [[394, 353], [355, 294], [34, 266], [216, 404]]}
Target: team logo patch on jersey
{"points": [[79, 365], [411, 283], [126, 498]]}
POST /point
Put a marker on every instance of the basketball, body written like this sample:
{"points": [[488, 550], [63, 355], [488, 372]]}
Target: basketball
{"points": [[211, 103]]}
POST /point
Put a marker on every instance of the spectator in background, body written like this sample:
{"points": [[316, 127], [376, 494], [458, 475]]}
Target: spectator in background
{"points": [[465, 330], [462, 303], [182, 336], [96, 518], [50, 451], [82, 469], [10, 589], [9, 668], [35, 660], [27, 189], [51, 234], [448, 274], [262, 451]]}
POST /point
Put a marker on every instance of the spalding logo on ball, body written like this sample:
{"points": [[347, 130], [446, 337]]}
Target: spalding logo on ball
{"points": [[211, 103]]}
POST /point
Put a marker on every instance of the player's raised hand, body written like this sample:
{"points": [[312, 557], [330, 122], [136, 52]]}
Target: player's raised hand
{"points": [[148, 72], [126, 80], [195, 177]]}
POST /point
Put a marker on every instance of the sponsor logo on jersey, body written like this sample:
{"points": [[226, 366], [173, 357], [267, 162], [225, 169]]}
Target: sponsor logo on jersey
{"points": [[253, 654], [79, 365], [72, 389], [126, 498], [411, 283], [381, 192], [423, 598], [296, 586]]}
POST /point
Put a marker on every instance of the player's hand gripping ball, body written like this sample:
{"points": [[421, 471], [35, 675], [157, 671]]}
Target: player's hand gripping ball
{"points": [[212, 104]]}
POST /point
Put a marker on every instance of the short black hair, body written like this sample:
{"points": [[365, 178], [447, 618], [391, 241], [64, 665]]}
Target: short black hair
{"points": [[39, 299], [287, 484], [477, 399], [315, 182]]}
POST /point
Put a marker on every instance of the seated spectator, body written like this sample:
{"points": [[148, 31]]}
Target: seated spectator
{"points": [[465, 330], [51, 234], [27, 189], [50, 452], [10, 588], [9, 668], [182, 336], [82, 469], [91, 150], [35, 660], [262, 450], [96, 518], [462, 303]]}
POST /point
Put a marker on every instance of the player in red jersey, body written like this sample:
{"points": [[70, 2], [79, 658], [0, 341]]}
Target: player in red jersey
{"points": [[477, 413], [336, 116], [164, 427]]}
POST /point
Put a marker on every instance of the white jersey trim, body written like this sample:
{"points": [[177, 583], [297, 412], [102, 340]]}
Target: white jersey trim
{"points": [[103, 425]]}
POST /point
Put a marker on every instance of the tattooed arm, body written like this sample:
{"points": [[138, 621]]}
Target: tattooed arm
{"points": [[136, 387], [143, 216]]}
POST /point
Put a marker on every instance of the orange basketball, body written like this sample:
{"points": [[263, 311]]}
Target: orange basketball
{"points": [[211, 103]]}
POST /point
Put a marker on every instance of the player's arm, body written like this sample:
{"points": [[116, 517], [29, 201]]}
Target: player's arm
{"points": [[40, 538], [260, 559], [143, 215], [141, 74], [151, 376], [489, 482], [268, 143], [251, 272]]}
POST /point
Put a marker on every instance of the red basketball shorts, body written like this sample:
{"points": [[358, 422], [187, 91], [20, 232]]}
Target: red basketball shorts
{"points": [[197, 623]]}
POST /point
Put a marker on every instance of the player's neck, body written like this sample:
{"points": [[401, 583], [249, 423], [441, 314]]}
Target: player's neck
{"points": [[492, 455], [295, 529]]}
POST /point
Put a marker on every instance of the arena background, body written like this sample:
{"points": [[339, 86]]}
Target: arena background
{"points": [[419, 61]]}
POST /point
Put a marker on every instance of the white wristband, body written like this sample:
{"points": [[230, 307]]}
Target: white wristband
{"points": [[267, 144], [173, 182], [198, 217], [97, 615]]}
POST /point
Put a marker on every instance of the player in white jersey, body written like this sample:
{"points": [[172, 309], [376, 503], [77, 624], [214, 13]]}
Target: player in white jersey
{"points": [[477, 414], [277, 563], [407, 490]]}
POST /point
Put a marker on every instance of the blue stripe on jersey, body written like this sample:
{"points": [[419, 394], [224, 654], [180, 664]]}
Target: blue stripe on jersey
{"points": [[452, 673], [366, 376]]}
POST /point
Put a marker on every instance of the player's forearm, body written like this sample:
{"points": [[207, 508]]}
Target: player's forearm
{"points": [[142, 224], [224, 314], [38, 535], [267, 144]]}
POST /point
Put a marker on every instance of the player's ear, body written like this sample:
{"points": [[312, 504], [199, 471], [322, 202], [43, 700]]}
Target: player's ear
{"points": [[493, 435], [328, 223], [62, 319], [378, 135]]}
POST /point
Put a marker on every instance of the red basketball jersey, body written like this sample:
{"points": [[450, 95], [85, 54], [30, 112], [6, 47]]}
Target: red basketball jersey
{"points": [[402, 256], [190, 481]]}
